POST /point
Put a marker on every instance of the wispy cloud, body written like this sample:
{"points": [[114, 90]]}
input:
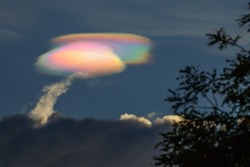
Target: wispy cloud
{"points": [[45, 106], [8, 35], [153, 18], [161, 18]]}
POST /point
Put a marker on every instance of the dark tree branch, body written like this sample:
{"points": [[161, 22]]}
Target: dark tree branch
{"points": [[208, 135]]}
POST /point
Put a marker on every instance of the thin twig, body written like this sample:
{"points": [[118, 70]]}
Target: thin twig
{"points": [[215, 101]]}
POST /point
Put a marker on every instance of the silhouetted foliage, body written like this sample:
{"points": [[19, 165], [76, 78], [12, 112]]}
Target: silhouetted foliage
{"points": [[215, 107]]}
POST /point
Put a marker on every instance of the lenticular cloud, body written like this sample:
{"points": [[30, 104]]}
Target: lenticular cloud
{"points": [[86, 56], [95, 54]]}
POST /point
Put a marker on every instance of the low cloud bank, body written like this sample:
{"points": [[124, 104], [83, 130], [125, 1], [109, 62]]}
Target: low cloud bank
{"points": [[65, 142]]}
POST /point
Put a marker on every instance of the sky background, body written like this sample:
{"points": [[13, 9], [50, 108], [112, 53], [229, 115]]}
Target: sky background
{"points": [[177, 30]]}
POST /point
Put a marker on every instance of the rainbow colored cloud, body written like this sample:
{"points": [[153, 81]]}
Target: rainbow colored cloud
{"points": [[94, 54]]}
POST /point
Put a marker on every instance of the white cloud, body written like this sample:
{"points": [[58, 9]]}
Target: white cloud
{"points": [[132, 117], [45, 106], [151, 121], [168, 119]]}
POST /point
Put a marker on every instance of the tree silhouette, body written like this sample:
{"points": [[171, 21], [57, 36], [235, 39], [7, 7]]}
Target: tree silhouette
{"points": [[215, 107]]}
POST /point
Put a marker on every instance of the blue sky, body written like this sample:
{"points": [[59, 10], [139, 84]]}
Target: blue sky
{"points": [[177, 29]]}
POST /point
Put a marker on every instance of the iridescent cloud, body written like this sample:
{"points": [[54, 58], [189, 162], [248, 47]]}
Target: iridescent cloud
{"points": [[95, 54]]}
